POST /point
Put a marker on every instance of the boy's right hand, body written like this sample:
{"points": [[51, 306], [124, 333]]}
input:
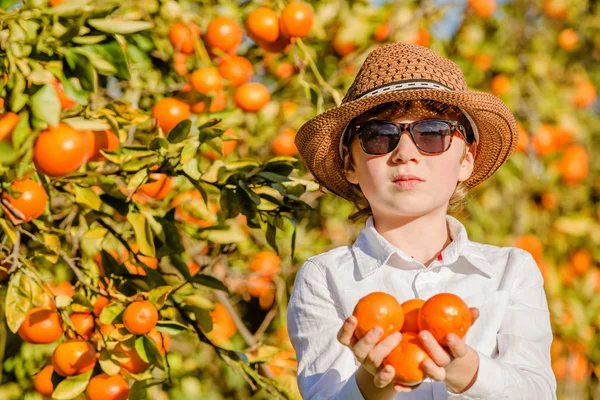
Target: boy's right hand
{"points": [[370, 353]]}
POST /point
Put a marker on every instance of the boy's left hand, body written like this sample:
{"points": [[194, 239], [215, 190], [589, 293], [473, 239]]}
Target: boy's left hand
{"points": [[455, 365]]}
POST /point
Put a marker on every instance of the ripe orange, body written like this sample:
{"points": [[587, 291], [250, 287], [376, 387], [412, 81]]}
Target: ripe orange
{"points": [[130, 360], [483, 8], [63, 288], [574, 164], [180, 64], [559, 367], [284, 70], [267, 263], [421, 38], [251, 96], [578, 367], [106, 387], [223, 326], [54, 3], [218, 103], [259, 285], [411, 313], [282, 363], [585, 94], [31, 200], [158, 189], [193, 268], [342, 46], [543, 141], [224, 33], [183, 36], [83, 323], [406, 358], [581, 261], [8, 121], [296, 19], [483, 62], [132, 264], [236, 70], [101, 140], [73, 357], [568, 39], [206, 80], [65, 101], [42, 381], [500, 85], [140, 317], [378, 309], [562, 136], [182, 213], [382, 32], [162, 340], [99, 305], [556, 8], [169, 112], [60, 150], [284, 144], [262, 24], [227, 147], [282, 45], [442, 314], [41, 325]]}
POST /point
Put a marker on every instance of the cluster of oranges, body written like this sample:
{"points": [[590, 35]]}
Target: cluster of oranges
{"points": [[441, 315]]}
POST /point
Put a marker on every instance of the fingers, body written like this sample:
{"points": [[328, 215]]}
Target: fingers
{"points": [[346, 332], [363, 347], [432, 370], [384, 377], [474, 314], [437, 353], [457, 346], [375, 356]]}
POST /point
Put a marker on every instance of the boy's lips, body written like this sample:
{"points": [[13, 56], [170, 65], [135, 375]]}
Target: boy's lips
{"points": [[406, 177]]}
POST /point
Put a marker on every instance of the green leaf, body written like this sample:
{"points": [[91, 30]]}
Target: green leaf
{"points": [[72, 387], [87, 196], [293, 237], [21, 131], [159, 143], [180, 132], [119, 205], [17, 98], [229, 203], [83, 69], [137, 179], [172, 244], [143, 233], [83, 124], [115, 25], [18, 300], [203, 318], [253, 196], [111, 312], [273, 177], [149, 351], [171, 327], [209, 281], [109, 364], [181, 266], [159, 295], [113, 53], [45, 105], [197, 300], [191, 168], [189, 152], [272, 237], [8, 155]]}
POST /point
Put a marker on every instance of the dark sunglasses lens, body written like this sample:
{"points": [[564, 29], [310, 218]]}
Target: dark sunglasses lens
{"points": [[432, 136], [378, 137]]}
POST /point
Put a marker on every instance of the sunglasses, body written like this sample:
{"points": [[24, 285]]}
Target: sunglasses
{"points": [[431, 136]]}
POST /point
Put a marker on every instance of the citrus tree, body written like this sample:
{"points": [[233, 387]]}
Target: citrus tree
{"points": [[154, 212]]}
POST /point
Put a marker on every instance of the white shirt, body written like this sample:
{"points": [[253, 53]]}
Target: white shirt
{"points": [[512, 334]]}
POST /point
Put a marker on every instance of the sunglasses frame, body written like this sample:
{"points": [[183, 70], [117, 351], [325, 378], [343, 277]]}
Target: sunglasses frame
{"points": [[401, 127]]}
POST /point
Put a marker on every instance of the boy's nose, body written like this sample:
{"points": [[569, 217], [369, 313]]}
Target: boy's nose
{"points": [[406, 148]]}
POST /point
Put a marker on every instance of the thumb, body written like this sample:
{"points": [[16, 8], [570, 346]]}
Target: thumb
{"points": [[474, 314]]}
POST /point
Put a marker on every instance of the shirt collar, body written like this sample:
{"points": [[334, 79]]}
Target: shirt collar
{"points": [[373, 250]]}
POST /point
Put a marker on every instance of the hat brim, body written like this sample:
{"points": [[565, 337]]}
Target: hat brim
{"points": [[318, 139]]}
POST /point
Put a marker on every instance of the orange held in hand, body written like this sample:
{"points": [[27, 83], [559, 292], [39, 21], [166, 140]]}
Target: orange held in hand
{"points": [[406, 358], [140, 317], [411, 310], [443, 314], [378, 309]]}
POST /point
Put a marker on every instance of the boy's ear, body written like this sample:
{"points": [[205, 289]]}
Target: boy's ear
{"points": [[468, 163], [349, 168]]}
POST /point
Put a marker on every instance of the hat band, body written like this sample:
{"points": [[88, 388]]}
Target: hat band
{"points": [[412, 84]]}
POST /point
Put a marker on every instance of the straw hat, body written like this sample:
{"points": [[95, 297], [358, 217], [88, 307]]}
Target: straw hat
{"points": [[402, 71]]}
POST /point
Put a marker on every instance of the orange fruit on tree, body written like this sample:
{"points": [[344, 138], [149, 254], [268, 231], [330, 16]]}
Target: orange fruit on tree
{"points": [[223, 33], [182, 214], [543, 140], [568, 39], [259, 285], [132, 264], [500, 85], [217, 103], [223, 326], [342, 46], [60, 150], [31, 200], [140, 317], [445, 313], [483, 8], [236, 70], [83, 322], [532, 244], [378, 309], [8, 121], [54, 3], [282, 45], [41, 326], [296, 19], [581, 261], [193, 268], [101, 140], [99, 305], [585, 94], [169, 112], [130, 360], [266, 263], [106, 387], [73, 357], [556, 8], [162, 340], [483, 61], [284, 70], [158, 189], [406, 358], [206, 80], [578, 366], [42, 381], [420, 38], [64, 288], [251, 96], [411, 310], [562, 136], [65, 101], [284, 144], [180, 63], [262, 24], [282, 363], [574, 164], [183, 36], [227, 147], [382, 32]]}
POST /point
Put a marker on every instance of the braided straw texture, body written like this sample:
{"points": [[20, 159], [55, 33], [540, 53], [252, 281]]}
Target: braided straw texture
{"points": [[318, 139]]}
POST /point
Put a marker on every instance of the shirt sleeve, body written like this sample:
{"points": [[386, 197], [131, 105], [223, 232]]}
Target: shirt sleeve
{"points": [[326, 368], [522, 368]]}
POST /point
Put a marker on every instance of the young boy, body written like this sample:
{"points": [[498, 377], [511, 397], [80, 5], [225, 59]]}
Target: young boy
{"points": [[405, 145]]}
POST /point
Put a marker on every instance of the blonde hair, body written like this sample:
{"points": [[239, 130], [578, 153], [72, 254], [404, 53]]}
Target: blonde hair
{"points": [[459, 198]]}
